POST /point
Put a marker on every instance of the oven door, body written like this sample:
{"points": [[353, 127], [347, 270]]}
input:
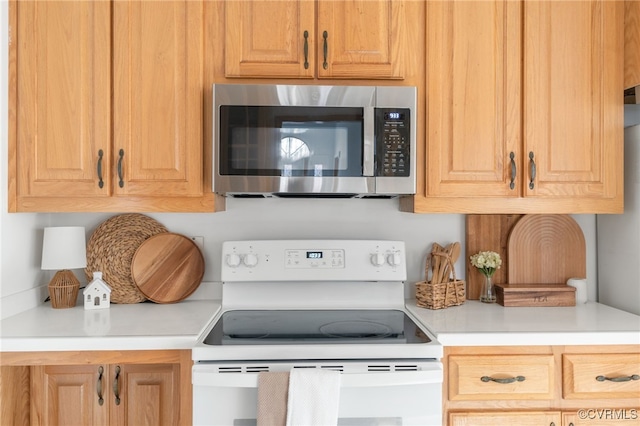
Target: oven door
{"points": [[368, 398]]}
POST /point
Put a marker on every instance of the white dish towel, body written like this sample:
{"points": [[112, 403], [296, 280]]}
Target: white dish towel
{"points": [[314, 396]]}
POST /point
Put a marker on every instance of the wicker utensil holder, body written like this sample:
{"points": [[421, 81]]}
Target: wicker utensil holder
{"points": [[440, 295]]}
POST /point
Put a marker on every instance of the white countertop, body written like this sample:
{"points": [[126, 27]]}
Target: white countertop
{"points": [[121, 327], [179, 326], [479, 324]]}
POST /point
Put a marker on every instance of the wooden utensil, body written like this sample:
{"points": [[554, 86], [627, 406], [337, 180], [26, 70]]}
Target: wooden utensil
{"points": [[451, 252], [436, 263], [167, 268]]}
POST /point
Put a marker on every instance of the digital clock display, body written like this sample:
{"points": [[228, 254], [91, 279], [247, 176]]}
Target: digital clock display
{"points": [[314, 255], [394, 115]]}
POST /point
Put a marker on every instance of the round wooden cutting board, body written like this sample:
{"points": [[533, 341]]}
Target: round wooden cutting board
{"points": [[167, 268]]}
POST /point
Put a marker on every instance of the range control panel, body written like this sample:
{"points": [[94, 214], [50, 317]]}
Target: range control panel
{"points": [[313, 260]]}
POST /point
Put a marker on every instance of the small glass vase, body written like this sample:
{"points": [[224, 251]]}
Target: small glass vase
{"points": [[488, 294]]}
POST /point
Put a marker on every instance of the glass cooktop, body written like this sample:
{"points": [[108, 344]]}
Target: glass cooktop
{"points": [[273, 327]]}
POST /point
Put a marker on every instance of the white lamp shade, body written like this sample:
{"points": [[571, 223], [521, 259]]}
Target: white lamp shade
{"points": [[64, 247]]}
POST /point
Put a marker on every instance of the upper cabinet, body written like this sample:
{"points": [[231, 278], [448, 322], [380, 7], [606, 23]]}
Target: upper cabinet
{"points": [[358, 39], [525, 115], [631, 43], [106, 114]]}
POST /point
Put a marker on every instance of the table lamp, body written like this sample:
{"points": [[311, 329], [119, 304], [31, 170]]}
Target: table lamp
{"points": [[64, 248]]}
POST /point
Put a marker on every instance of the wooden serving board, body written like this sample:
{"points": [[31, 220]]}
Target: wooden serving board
{"points": [[535, 295], [167, 268], [487, 232], [546, 249]]}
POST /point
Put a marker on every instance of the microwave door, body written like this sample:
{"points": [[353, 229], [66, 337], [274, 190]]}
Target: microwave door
{"points": [[368, 149]]}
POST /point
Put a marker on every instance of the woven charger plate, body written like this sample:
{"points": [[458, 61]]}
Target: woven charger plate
{"points": [[111, 248]]}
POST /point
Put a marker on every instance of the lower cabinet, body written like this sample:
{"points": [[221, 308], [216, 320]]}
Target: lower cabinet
{"points": [[106, 388], [542, 385]]}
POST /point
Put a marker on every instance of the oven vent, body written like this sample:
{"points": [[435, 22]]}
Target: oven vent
{"points": [[243, 369], [395, 367]]}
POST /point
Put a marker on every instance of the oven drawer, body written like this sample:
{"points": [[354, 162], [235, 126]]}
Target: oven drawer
{"points": [[390, 398], [588, 376], [489, 377]]}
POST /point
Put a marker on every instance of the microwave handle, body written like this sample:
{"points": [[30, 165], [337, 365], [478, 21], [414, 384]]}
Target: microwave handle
{"points": [[369, 147]]}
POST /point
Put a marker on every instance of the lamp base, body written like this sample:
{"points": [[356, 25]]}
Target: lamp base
{"points": [[63, 289]]}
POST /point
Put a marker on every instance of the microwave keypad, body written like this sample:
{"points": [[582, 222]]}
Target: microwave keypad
{"points": [[392, 141]]}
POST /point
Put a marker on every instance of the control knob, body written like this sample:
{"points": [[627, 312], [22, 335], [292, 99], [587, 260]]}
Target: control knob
{"points": [[250, 260], [394, 259], [233, 260], [377, 259]]}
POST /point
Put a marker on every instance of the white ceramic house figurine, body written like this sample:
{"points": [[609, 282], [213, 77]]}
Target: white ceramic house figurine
{"points": [[97, 294]]}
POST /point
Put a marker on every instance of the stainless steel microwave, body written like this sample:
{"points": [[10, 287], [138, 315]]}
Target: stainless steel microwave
{"points": [[307, 140]]}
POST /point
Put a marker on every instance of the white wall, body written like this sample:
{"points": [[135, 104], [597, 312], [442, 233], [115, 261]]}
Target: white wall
{"points": [[23, 285]]}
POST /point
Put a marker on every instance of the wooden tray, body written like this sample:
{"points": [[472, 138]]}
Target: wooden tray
{"points": [[535, 295], [546, 249], [167, 268]]}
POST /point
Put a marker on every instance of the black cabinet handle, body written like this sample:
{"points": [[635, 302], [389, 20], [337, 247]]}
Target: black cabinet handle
{"points": [[512, 184], [503, 381], [325, 49], [116, 385], [618, 379], [100, 182], [532, 168], [120, 177], [99, 385], [306, 50]]}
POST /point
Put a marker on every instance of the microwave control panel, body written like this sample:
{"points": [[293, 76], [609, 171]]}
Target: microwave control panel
{"points": [[393, 141]]}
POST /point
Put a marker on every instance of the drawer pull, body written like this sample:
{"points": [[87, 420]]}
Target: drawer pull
{"points": [[618, 379], [116, 386], [99, 385], [512, 184], [306, 50], [325, 35], [121, 156], [100, 181], [502, 381], [532, 170]]}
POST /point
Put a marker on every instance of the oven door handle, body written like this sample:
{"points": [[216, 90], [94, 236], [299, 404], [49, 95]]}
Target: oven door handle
{"points": [[207, 376]]}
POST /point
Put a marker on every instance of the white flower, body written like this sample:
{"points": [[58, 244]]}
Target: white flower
{"points": [[487, 262]]}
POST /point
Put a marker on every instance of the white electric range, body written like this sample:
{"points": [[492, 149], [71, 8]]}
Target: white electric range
{"points": [[332, 304]]}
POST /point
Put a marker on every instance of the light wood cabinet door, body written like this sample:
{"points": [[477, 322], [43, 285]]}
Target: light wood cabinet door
{"points": [[514, 79], [492, 418], [473, 98], [345, 39], [360, 39], [149, 394], [63, 98], [69, 395], [259, 44], [573, 80], [116, 394], [157, 141]]}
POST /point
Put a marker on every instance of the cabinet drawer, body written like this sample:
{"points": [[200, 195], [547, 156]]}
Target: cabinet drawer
{"points": [[492, 418], [512, 377], [600, 376]]}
